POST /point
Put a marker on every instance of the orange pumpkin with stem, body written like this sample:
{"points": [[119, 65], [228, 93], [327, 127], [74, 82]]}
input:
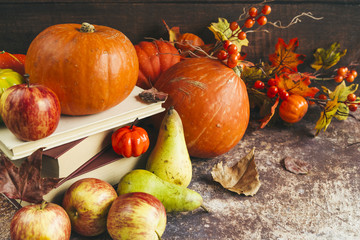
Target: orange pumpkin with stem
{"points": [[212, 102], [90, 68]]}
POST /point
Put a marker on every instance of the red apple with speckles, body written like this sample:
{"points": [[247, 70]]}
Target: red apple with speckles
{"points": [[30, 111], [40, 221], [87, 202], [135, 216]]}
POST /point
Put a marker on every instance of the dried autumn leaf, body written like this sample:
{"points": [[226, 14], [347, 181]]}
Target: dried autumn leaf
{"points": [[285, 58], [326, 58], [241, 178], [174, 33], [296, 166], [152, 95], [25, 183], [268, 117], [222, 32], [295, 85]]}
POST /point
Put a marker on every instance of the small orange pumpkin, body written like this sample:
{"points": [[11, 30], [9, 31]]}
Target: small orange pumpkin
{"points": [[130, 141], [154, 58], [188, 42], [293, 109], [90, 68]]}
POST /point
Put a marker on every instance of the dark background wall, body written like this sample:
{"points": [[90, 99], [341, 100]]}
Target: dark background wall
{"points": [[21, 21]]}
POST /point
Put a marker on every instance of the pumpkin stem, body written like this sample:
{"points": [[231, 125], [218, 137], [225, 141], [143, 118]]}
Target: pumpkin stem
{"points": [[133, 123], [27, 80], [87, 28]]}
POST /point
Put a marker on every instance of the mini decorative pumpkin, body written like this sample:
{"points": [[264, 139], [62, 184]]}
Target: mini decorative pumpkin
{"points": [[91, 68], [188, 41], [212, 102], [130, 141], [293, 109], [154, 58]]}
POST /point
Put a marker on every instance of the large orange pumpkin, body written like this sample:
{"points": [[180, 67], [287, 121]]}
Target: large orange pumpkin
{"points": [[154, 58], [91, 68], [212, 102]]}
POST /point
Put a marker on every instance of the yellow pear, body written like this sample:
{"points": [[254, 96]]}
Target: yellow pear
{"points": [[170, 159]]}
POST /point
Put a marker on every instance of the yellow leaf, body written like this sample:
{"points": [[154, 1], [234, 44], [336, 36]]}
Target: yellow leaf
{"points": [[241, 178], [326, 116], [222, 32]]}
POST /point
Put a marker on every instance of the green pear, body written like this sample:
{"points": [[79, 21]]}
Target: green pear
{"points": [[175, 198], [170, 159]]}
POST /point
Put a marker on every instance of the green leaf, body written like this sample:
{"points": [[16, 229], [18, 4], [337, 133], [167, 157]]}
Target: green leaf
{"points": [[342, 112], [342, 91], [336, 107], [222, 32], [326, 58], [326, 116]]}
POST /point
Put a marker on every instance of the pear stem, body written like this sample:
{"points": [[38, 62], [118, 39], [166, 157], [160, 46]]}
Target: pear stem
{"points": [[159, 237], [205, 209]]}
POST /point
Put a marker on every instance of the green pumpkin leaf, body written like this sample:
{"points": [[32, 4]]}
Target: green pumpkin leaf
{"points": [[222, 32], [326, 58]]}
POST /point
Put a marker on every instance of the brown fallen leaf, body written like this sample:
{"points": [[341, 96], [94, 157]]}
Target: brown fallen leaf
{"points": [[25, 183], [152, 95], [296, 166], [241, 178]]}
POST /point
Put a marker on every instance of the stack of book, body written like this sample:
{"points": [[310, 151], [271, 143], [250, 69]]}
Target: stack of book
{"points": [[81, 145]]}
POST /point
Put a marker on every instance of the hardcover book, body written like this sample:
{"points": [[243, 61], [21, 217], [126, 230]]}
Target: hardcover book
{"points": [[73, 128], [61, 161]]}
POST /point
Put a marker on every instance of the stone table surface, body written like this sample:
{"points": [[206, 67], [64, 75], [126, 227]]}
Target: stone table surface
{"points": [[324, 204]]}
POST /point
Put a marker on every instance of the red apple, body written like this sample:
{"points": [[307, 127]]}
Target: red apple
{"points": [[40, 221], [87, 202], [136, 215], [29, 111]]}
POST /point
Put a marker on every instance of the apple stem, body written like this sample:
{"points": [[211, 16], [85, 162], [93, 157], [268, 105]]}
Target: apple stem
{"points": [[27, 80], [43, 205], [159, 237]]}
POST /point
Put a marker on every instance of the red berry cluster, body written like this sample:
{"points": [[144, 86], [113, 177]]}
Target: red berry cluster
{"points": [[230, 52], [343, 73], [272, 89]]}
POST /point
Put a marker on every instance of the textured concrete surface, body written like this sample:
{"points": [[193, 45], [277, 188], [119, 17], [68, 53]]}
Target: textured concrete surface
{"points": [[323, 204]]}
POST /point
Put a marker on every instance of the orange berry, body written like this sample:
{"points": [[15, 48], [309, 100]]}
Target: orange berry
{"points": [[339, 78]]}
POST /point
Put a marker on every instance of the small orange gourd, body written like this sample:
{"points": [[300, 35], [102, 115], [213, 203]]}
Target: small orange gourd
{"points": [[130, 141], [293, 109], [154, 58], [188, 41]]}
